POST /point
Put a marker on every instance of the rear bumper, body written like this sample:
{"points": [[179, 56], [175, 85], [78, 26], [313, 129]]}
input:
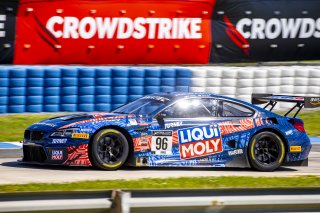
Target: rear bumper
{"points": [[304, 162]]}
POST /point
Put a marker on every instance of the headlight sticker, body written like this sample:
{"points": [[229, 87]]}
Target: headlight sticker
{"points": [[80, 135]]}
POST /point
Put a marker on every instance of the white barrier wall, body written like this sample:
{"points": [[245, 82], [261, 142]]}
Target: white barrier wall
{"points": [[241, 82]]}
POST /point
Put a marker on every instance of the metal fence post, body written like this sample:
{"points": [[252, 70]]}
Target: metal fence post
{"points": [[120, 201]]}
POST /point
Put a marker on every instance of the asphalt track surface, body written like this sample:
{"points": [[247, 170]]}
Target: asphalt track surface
{"points": [[13, 172]]}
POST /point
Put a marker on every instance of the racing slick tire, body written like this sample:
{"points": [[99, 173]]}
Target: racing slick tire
{"points": [[266, 151], [109, 149]]}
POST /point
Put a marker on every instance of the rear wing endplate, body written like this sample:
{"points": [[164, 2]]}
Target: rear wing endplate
{"points": [[272, 100]]}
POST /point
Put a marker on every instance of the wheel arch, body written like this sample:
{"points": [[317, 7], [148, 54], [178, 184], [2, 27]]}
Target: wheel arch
{"points": [[275, 131], [120, 129]]}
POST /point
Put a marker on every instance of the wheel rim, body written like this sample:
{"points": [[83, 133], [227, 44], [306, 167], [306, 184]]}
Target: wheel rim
{"points": [[110, 148], [266, 150]]}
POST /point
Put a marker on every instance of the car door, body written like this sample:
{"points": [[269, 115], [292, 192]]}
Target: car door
{"points": [[235, 122], [188, 127]]}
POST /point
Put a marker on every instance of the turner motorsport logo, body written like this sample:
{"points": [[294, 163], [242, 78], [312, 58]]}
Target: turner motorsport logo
{"points": [[285, 28], [199, 141], [2, 20], [124, 28]]}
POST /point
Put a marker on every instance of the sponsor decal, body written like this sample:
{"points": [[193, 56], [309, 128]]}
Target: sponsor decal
{"points": [[133, 122], [59, 141], [315, 101], [80, 135], [144, 143], [295, 149], [56, 154], [142, 161], [2, 20], [285, 28], [199, 141], [206, 159], [235, 152], [161, 142], [71, 27], [174, 124], [87, 130], [290, 132]]}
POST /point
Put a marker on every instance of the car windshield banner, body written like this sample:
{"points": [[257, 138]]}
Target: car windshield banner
{"points": [[264, 30]]}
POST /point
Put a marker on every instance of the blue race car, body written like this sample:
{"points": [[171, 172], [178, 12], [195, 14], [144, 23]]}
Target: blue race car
{"points": [[176, 130]]}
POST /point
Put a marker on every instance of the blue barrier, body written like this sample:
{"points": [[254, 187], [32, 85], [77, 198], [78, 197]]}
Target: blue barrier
{"points": [[83, 88]]}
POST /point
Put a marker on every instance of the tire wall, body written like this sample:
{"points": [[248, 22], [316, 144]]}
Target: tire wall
{"points": [[103, 88]]}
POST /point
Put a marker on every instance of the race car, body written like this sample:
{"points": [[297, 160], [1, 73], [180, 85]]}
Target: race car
{"points": [[176, 130]]}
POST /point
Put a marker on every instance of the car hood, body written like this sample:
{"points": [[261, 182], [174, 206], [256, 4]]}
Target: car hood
{"points": [[67, 121]]}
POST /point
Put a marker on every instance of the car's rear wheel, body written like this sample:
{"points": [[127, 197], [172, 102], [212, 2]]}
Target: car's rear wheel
{"points": [[109, 150], [266, 151]]}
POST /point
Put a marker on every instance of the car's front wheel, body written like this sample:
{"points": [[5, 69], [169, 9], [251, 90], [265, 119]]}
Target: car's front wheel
{"points": [[109, 150], [266, 151]]}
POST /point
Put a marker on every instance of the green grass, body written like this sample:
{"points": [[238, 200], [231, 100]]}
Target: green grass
{"points": [[13, 126], [172, 183], [311, 122]]}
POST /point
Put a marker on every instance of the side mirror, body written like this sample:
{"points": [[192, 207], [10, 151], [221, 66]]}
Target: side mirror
{"points": [[161, 115], [160, 118]]}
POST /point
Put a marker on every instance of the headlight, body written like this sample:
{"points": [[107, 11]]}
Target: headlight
{"points": [[64, 133]]}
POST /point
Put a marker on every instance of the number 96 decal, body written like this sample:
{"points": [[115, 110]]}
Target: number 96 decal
{"points": [[161, 143]]}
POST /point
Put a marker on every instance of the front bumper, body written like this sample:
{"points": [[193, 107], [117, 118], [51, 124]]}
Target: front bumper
{"points": [[35, 153], [57, 154]]}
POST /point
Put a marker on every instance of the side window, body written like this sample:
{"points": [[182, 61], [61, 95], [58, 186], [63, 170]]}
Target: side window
{"points": [[192, 108], [230, 109]]}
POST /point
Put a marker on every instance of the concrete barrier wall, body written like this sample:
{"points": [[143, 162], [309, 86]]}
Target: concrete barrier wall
{"points": [[102, 88]]}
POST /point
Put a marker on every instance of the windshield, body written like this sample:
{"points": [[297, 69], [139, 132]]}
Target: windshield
{"points": [[144, 105]]}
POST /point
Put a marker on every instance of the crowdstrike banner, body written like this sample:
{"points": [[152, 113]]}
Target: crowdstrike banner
{"points": [[265, 30], [113, 32]]}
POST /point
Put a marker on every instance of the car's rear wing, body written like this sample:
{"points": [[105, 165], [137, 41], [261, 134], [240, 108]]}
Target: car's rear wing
{"points": [[272, 100]]}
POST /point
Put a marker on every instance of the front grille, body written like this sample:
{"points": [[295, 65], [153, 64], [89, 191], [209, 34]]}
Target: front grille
{"points": [[34, 154], [33, 135]]}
